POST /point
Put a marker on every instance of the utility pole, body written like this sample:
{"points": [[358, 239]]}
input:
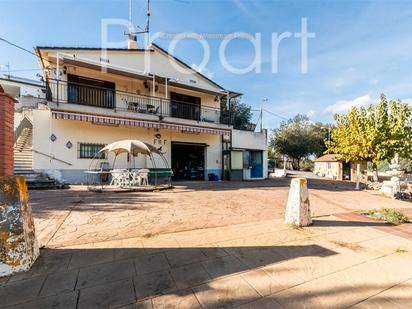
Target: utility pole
{"points": [[261, 113]]}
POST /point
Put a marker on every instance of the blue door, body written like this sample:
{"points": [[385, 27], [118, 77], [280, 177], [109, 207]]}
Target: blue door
{"points": [[256, 162]]}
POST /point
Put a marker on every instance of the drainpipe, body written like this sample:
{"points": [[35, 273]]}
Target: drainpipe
{"points": [[58, 76], [166, 94], [154, 86], [228, 106]]}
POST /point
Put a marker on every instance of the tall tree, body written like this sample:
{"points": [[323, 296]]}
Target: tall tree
{"points": [[299, 138], [374, 134], [237, 114]]}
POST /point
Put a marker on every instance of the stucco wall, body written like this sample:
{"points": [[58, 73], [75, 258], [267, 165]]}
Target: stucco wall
{"points": [[83, 132], [252, 141], [332, 170], [249, 140], [154, 62]]}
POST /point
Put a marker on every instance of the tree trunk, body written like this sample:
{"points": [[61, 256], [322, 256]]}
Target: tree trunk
{"points": [[375, 172]]}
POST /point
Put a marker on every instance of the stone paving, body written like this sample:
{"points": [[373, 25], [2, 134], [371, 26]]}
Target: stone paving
{"points": [[76, 216], [342, 261]]}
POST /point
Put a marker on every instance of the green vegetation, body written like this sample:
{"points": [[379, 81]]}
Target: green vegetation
{"points": [[239, 114], [389, 215], [298, 138], [373, 134]]}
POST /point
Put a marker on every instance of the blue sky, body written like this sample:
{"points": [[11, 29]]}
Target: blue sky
{"points": [[361, 49]]}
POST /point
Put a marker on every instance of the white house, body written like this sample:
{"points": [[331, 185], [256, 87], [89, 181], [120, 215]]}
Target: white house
{"points": [[92, 97]]}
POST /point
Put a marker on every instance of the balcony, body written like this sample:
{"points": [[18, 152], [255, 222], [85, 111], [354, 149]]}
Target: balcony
{"points": [[87, 95]]}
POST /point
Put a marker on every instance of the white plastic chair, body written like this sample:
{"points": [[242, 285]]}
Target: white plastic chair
{"points": [[119, 178], [144, 177], [136, 179]]}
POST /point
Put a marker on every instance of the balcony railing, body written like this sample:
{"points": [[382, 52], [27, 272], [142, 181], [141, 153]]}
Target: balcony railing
{"points": [[74, 93]]}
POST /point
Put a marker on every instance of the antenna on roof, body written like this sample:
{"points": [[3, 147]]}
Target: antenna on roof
{"points": [[132, 42]]}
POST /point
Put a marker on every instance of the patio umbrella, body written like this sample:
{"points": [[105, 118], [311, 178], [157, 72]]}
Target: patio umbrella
{"points": [[133, 147]]}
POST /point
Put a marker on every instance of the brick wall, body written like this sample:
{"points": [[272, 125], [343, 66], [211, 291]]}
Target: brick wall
{"points": [[6, 134]]}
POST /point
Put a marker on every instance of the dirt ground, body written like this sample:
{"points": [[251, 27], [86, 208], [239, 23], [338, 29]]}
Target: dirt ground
{"points": [[76, 216]]}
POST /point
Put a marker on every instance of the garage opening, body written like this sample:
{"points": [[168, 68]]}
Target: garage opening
{"points": [[188, 161]]}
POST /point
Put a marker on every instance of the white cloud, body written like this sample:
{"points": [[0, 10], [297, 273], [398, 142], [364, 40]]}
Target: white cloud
{"points": [[345, 105], [373, 82]]}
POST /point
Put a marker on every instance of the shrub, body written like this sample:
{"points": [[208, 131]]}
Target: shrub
{"points": [[390, 215]]}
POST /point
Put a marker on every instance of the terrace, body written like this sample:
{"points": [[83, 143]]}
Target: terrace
{"points": [[119, 100]]}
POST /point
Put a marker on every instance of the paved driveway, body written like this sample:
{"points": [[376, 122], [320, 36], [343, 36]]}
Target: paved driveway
{"points": [[213, 245], [76, 216]]}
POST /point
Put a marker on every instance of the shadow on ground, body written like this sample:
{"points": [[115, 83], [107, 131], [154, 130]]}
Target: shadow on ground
{"points": [[268, 184], [102, 278]]}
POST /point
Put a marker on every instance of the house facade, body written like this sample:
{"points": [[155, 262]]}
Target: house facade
{"points": [[92, 97], [330, 167]]}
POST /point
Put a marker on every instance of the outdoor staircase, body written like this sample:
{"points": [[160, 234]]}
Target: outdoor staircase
{"points": [[23, 159], [23, 154]]}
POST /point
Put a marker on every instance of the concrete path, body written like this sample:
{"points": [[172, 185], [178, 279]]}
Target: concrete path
{"points": [[213, 246], [333, 264], [76, 216]]}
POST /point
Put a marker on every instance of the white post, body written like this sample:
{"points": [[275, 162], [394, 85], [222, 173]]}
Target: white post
{"points": [[357, 176], [58, 67], [298, 206]]}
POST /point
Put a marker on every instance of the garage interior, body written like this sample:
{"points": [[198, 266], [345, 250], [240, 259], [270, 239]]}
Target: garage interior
{"points": [[188, 161]]}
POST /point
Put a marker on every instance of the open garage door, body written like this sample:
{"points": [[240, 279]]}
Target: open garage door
{"points": [[188, 161]]}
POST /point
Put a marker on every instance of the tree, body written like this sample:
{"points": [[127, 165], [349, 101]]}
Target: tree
{"points": [[298, 138], [374, 134], [239, 114]]}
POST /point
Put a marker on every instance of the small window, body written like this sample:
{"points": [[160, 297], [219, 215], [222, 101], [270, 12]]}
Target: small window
{"points": [[246, 159], [329, 166], [91, 151]]}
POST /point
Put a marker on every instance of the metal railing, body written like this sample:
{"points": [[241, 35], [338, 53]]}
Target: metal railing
{"points": [[74, 93]]}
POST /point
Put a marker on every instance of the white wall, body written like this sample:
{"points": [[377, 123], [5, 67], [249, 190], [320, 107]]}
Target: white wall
{"points": [[143, 61], [249, 140], [252, 141], [77, 132]]}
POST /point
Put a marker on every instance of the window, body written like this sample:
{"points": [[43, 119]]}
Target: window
{"points": [[329, 165], [184, 106], [88, 91], [90, 151], [237, 160], [246, 159]]}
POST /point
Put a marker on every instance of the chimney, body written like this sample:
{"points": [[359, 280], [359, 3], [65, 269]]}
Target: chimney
{"points": [[132, 42]]}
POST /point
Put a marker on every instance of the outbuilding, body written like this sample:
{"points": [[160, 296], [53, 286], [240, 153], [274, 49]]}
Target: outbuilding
{"points": [[330, 166]]}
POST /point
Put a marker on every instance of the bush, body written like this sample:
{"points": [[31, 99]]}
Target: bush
{"points": [[389, 215]]}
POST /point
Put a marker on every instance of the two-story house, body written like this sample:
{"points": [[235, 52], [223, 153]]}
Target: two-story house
{"points": [[92, 97]]}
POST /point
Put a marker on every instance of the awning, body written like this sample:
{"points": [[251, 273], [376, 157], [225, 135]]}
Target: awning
{"points": [[136, 123]]}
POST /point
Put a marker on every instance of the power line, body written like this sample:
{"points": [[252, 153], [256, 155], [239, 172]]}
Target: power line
{"points": [[22, 48], [17, 46], [20, 70], [276, 115]]}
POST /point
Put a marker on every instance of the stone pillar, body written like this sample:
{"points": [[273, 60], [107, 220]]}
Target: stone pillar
{"points": [[18, 244], [298, 206], [6, 134]]}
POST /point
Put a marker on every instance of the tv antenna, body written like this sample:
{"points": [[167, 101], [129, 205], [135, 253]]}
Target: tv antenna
{"points": [[145, 30]]}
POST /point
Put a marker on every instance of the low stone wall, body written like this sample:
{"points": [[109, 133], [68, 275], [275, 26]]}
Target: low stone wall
{"points": [[18, 244]]}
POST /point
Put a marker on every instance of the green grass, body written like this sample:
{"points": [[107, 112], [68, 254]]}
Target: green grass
{"points": [[389, 215]]}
